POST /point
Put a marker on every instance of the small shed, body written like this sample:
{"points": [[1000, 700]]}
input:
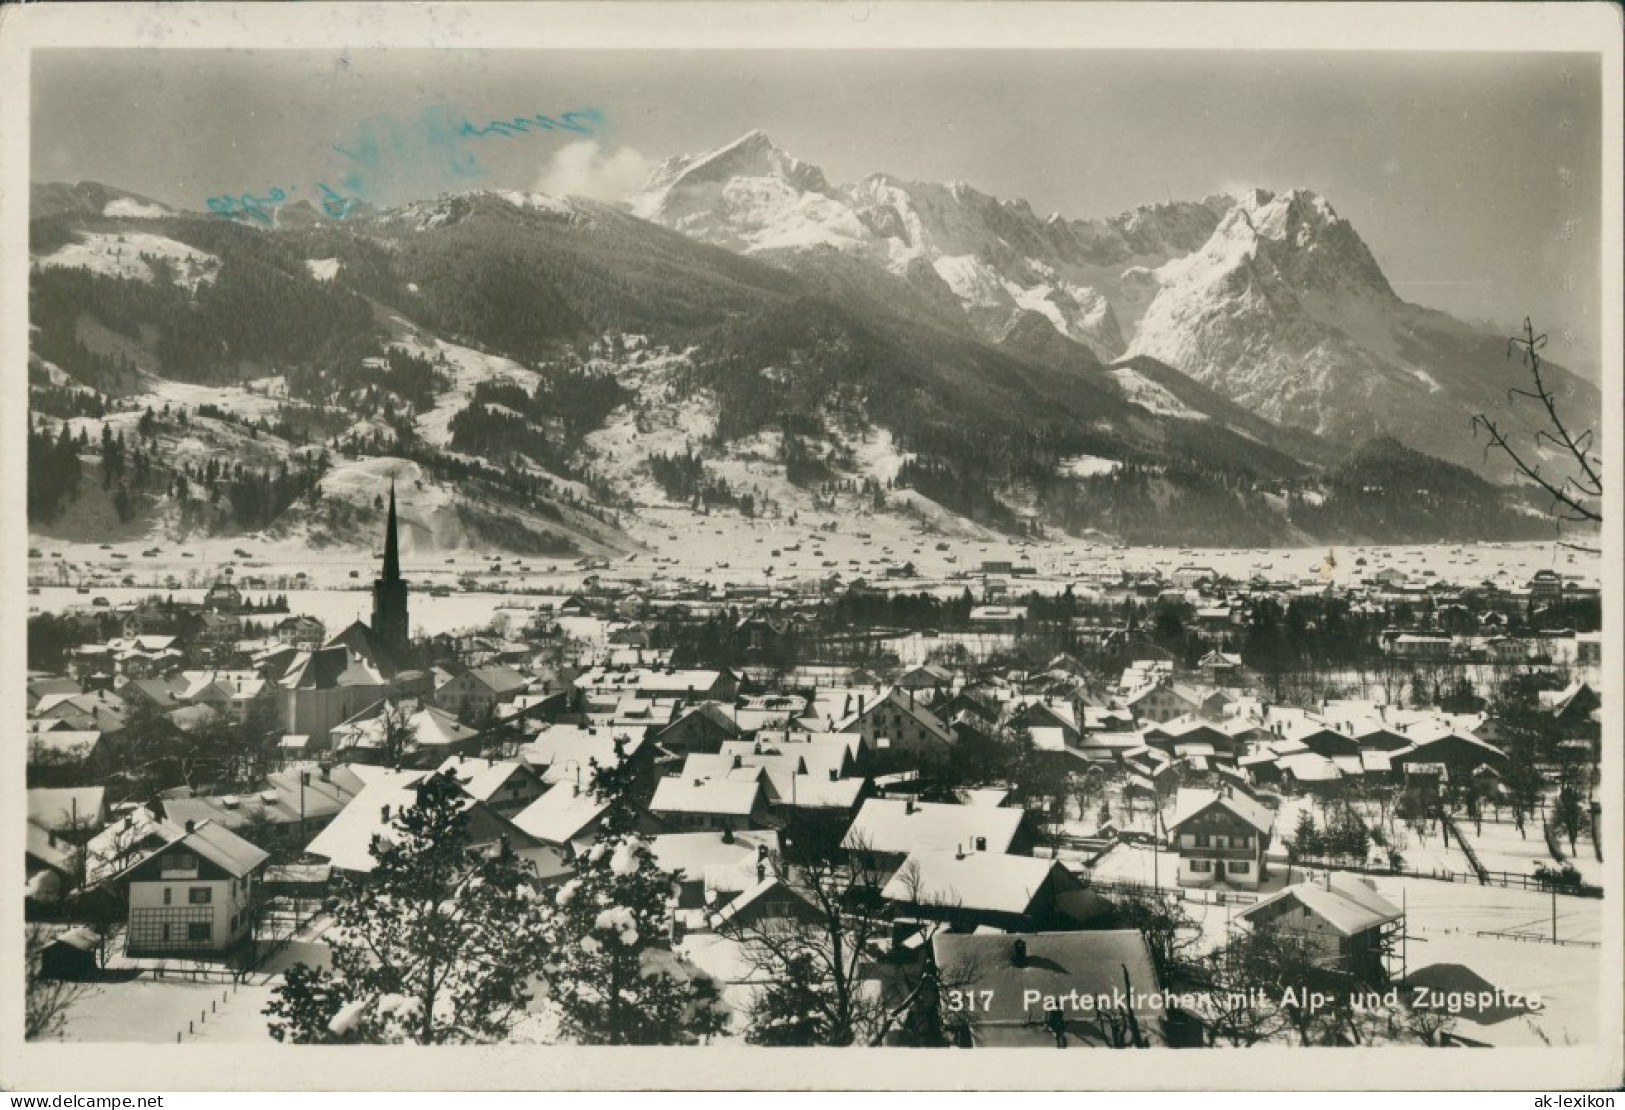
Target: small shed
{"points": [[72, 955]]}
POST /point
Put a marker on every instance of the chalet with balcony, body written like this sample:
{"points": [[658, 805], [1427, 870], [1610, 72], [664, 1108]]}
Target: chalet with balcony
{"points": [[1221, 836], [195, 896], [1346, 922]]}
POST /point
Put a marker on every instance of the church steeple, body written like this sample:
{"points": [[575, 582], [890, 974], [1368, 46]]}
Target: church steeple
{"points": [[392, 547], [391, 627]]}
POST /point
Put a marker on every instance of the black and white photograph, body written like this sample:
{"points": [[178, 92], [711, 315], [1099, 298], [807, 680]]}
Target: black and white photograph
{"points": [[850, 528]]}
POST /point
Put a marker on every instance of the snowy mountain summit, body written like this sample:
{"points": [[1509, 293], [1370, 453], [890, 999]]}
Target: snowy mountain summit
{"points": [[998, 258]]}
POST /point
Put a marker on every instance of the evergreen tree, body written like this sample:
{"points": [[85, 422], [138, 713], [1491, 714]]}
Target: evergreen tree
{"points": [[437, 946], [611, 971], [1306, 838]]}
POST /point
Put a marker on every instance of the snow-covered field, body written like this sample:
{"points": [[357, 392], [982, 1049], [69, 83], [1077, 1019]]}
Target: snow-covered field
{"points": [[467, 368], [154, 1011], [1443, 923], [119, 254], [231, 399], [1087, 466], [1445, 918], [1500, 848]]}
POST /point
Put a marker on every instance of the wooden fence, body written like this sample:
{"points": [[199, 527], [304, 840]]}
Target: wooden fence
{"points": [[1538, 938], [1509, 879]]}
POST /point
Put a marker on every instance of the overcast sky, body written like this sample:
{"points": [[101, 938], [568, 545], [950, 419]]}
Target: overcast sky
{"points": [[1474, 178]]}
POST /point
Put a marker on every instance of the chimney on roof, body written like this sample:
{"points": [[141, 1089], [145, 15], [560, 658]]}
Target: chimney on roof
{"points": [[908, 806], [981, 844], [383, 812], [323, 770], [959, 850], [834, 774], [190, 824], [739, 760], [1018, 953], [761, 872]]}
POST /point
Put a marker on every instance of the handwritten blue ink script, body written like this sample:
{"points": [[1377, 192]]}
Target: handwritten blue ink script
{"points": [[519, 125], [387, 157]]}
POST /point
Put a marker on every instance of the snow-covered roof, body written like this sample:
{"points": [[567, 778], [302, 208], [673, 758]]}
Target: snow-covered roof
{"points": [[681, 794], [1048, 738], [481, 778], [430, 727], [823, 792], [897, 825], [43, 845], [221, 847], [1192, 801], [1307, 766], [567, 750], [649, 680], [1183, 725], [969, 880], [64, 742], [1375, 761], [1349, 903], [691, 853], [814, 755], [134, 836], [346, 843], [752, 894], [66, 808], [560, 815], [498, 677]]}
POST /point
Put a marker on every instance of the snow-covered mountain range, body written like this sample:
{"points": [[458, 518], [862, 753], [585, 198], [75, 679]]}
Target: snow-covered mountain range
{"points": [[1271, 299], [745, 337]]}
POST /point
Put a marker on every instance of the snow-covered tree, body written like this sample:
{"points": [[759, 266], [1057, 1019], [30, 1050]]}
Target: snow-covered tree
{"points": [[611, 969], [437, 945]]}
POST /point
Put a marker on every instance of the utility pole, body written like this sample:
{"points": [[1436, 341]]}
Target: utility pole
{"points": [[1404, 934]]}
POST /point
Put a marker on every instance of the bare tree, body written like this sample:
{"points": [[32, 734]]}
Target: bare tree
{"points": [[820, 966], [46, 1001], [1576, 488], [1569, 811], [398, 736], [1431, 1027]]}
